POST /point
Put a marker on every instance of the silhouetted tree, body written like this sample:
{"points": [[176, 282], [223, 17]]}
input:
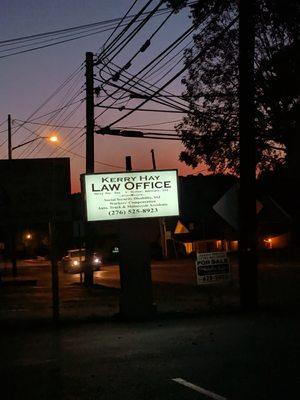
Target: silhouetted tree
{"points": [[210, 131]]}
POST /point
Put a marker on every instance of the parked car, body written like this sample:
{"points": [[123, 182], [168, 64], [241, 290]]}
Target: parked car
{"points": [[74, 261]]}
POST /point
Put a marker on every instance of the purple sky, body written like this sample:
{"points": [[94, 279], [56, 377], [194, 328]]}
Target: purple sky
{"points": [[28, 79]]}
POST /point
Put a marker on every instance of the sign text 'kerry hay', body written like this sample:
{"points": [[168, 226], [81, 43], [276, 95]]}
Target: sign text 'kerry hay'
{"points": [[142, 182]]}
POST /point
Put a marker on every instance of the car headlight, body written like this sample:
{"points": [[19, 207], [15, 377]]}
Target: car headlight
{"points": [[75, 263], [96, 261]]}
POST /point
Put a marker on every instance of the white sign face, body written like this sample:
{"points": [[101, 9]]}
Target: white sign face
{"points": [[212, 267], [127, 195]]}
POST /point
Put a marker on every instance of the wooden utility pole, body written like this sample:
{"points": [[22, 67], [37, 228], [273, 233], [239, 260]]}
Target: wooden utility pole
{"points": [[247, 201], [90, 124], [9, 137], [12, 230]]}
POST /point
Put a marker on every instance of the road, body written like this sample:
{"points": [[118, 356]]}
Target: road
{"points": [[172, 271], [195, 337], [236, 357], [174, 291], [176, 272], [174, 284]]}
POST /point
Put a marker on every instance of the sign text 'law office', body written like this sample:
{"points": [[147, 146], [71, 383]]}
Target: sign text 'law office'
{"points": [[127, 195]]}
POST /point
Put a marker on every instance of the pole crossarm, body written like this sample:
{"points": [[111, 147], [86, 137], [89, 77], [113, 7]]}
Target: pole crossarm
{"points": [[137, 134]]}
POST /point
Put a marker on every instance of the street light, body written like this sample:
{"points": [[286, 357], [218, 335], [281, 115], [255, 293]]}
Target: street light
{"points": [[53, 138]]}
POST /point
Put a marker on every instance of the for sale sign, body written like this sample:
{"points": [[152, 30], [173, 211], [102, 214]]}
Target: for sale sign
{"points": [[124, 195], [212, 267]]}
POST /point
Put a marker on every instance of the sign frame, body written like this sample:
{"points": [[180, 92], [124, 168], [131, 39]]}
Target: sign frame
{"points": [[83, 190]]}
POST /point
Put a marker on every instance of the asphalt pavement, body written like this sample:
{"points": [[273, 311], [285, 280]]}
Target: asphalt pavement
{"points": [[199, 346], [232, 357]]}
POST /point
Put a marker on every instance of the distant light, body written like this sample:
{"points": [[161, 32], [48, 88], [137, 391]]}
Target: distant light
{"points": [[269, 243], [28, 236], [53, 138], [269, 240]]}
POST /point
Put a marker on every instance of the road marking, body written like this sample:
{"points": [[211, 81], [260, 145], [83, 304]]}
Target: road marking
{"points": [[199, 389]]}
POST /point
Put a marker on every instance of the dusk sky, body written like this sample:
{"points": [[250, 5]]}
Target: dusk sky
{"points": [[28, 79]]}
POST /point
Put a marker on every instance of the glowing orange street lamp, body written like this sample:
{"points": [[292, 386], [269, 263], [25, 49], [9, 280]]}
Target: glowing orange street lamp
{"points": [[52, 138]]}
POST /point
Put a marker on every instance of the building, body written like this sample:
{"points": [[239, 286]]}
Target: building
{"points": [[202, 227], [33, 191]]}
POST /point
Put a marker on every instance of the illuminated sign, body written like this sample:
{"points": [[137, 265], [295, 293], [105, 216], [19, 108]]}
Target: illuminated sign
{"points": [[127, 195], [212, 267]]}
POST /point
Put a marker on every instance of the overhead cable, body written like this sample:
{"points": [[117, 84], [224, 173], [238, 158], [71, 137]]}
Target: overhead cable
{"points": [[57, 41], [60, 87], [114, 52], [188, 31], [143, 48], [200, 54], [118, 26], [115, 40], [144, 109]]}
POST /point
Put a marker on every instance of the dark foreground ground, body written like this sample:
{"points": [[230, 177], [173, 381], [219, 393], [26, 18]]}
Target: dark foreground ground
{"points": [[199, 335], [254, 357]]}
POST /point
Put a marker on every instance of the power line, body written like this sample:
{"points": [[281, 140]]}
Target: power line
{"points": [[57, 109], [60, 87], [188, 31], [154, 124], [165, 74], [59, 31], [3, 122], [119, 24], [54, 44], [41, 145], [143, 109], [149, 129], [115, 40], [126, 29], [53, 117], [97, 162], [133, 94], [50, 125], [132, 34], [74, 93], [145, 46], [20, 39], [72, 145], [79, 155], [29, 43], [178, 73], [79, 36]]}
